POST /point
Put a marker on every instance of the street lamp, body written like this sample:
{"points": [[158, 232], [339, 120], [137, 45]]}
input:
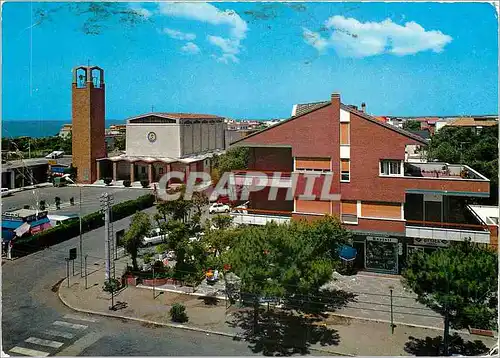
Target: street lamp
{"points": [[67, 177]]}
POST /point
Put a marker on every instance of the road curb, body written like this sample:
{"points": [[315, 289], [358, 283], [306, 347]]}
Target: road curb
{"points": [[171, 325], [331, 313], [377, 320]]}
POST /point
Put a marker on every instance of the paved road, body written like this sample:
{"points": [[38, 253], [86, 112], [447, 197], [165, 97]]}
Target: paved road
{"points": [[90, 198], [33, 312]]}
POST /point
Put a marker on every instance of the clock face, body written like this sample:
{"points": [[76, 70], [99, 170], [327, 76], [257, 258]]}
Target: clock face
{"points": [[152, 136]]}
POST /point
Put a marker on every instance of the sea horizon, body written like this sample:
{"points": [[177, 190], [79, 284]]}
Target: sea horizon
{"points": [[14, 128]]}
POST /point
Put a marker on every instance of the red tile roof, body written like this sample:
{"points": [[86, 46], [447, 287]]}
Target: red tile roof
{"points": [[172, 115]]}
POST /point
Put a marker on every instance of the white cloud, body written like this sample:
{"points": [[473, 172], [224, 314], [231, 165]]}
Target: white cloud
{"points": [[314, 39], [227, 46], [352, 38], [179, 35], [207, 13], [191, 48], [141, 10]]}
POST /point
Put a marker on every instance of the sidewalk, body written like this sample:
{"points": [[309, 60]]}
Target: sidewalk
{"points": [[30, 187], [334, 335]]}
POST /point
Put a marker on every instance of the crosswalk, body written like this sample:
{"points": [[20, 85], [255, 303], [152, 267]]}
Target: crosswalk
{"points": [[62, 333]]}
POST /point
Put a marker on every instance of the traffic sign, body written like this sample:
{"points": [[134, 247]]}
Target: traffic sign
{"points": [[72, 254], [52, 162]]}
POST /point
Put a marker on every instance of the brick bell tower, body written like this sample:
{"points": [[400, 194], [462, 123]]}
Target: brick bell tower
{"points": [[88, 114]]}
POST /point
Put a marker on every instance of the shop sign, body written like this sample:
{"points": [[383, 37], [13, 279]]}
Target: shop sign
{"points": [[431, 242], [382, 239]]}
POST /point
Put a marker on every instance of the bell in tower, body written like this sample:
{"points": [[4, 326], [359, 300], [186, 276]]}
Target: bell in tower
{"points": [[88, 119]]}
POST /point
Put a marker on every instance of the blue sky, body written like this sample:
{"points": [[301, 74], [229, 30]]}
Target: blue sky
{"points": [[254, 60]]}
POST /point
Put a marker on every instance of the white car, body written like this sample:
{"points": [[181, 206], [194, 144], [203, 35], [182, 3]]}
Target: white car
{"points": [[154, 237], [5, 192], [197, 237], [218, 208]]}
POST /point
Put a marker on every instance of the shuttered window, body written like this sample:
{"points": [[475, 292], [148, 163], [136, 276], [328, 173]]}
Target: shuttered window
{"points": [[313, 206], [344, 133], [349, 212], [318, 164], [381, 210], [345, 170]]}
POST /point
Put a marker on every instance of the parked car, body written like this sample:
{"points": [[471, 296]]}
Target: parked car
{"points": [[55, 154], [5, 192], [242, 209], [155, 237], [218, 208]]}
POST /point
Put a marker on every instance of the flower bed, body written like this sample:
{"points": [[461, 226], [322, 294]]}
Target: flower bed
{"points": [[157, 281]]}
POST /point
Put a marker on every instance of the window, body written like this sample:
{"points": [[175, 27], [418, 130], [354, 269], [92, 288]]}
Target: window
{"points": [[390, 167], [143, 170], [344, 133], [313, 170], [349, 212], [317, 165], [160, 170], [345, 170]]}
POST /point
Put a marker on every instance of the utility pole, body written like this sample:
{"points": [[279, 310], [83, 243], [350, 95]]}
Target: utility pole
{"points": [[106, 204], [81, 239]]}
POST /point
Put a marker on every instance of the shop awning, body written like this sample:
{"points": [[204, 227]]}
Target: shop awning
{"points": [[23, 229], [347, 253], [40, 225]]}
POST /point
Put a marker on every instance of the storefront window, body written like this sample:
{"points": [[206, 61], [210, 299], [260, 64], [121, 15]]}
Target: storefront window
{"points": [[382, 254]]}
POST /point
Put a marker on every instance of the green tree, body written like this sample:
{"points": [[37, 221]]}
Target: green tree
{"points": [[178, 209], [132, 240], [233, 159], [459, 282], [120, 142], [477, 149], [411, 125], [199, 201], [222, 222], [289, 261]]}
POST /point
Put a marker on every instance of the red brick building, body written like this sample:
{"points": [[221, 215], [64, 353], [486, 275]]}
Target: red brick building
{"points": [[88, 121], [392, 206]]}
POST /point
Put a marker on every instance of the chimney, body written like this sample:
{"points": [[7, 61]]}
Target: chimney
{"points": [[336, 98], [363, 107]]}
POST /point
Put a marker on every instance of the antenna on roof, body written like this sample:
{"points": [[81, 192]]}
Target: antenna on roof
{"points": [[152, 108]]}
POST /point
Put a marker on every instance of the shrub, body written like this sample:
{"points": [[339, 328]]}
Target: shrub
{"points": [[127, 183], [147, 257], [108, 181], [158, 266], [112, 285], [26, 207], [145, 183], [178, 313]]}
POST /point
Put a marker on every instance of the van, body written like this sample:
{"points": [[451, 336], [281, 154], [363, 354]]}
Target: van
{"points": [[154, 238]]}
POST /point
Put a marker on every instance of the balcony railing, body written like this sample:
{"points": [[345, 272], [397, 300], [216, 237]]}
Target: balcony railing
{"points": [[442, 171], [253, 177], [260, 217], [447, 231], [450, 226]]}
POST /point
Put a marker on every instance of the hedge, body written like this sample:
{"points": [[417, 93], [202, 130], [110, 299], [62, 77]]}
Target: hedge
{"points": [[71, 229]]}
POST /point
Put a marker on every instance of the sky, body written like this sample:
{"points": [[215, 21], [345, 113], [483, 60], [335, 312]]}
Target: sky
{"points": [[251, 60]]}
